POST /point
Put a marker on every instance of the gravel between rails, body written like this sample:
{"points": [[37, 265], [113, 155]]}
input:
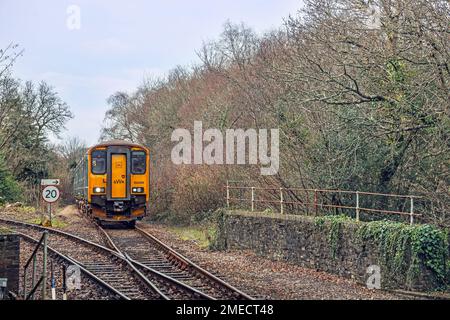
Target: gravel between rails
{"points": [[90, 290], [143, 250]]}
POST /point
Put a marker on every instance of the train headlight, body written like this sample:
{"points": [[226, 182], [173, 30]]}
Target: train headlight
{"points": [[138, 190], [99, 190]]}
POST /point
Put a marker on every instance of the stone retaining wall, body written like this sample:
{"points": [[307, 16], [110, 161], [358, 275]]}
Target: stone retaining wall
{"points": [[301, 240]]}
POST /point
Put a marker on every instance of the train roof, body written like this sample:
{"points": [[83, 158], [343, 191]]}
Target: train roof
{"points": [[117, 143]]}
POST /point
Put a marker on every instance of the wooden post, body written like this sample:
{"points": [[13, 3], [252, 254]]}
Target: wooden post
{"points": [[228, 195], [315, 202], [411, 216], [281, 201]]}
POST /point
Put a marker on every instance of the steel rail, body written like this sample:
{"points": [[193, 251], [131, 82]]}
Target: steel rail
{"points": [[117, 255], [132, 263], [72, 261], [62, 233], [167, 278], [196, 268], [154, 272]]}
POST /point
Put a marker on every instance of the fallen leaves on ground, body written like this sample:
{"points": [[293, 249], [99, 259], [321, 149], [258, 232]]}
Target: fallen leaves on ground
{"points": [[264, 278]]}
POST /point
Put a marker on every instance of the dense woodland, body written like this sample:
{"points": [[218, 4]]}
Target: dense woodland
{"points": [[359, 90]]}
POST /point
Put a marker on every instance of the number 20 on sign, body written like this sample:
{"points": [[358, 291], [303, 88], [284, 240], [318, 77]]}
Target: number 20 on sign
{"points": [[50, 194]]}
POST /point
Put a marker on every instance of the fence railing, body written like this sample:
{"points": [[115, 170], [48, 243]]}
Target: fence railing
{"points": [[311, 200], [43, 278]]}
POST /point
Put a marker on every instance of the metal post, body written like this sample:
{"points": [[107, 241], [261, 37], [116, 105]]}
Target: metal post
{"points": [[33, 275], [228, 195], [411, 216], [253, 198], [357, 205], [44, 268], [315, 201], [281, 201], [25, 284], [53, 282], [64, 283], [50, 213]]}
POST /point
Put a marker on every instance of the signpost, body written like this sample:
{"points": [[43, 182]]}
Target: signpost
{"points": [[50, 193]]}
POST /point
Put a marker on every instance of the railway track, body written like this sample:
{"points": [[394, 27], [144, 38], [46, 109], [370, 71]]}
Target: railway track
{"points": [[140, 266], [109, 266], [153, 256], [107, 291]]}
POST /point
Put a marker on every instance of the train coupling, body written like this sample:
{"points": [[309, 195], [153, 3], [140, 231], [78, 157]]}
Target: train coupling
{"points": [[118, 206]]}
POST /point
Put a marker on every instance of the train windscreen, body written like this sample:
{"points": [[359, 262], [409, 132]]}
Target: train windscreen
{"points": [[138, 162], [98, 163]]}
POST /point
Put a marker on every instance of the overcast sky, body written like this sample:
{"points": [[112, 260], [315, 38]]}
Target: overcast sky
{"points": [[119, 43]]}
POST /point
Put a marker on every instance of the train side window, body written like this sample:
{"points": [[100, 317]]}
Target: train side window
{"points": [[138, 162], [98, 162]]}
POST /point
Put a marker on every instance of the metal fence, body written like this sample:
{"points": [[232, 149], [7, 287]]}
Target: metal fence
{"points": [[311, 200], [43, 278]]}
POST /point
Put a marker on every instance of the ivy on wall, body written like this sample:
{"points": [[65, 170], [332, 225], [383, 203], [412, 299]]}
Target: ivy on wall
{"points": [[404, 249], [334, 234]]}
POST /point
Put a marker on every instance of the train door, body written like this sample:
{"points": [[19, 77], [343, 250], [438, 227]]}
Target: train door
{"points": [[119, 179]]}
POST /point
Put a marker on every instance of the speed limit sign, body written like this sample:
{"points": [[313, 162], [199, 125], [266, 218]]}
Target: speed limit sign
{"points": [[50, 194]]}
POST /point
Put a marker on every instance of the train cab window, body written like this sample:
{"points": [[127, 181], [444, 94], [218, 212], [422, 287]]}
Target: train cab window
{"points": [[98, 162], [138, 162]]}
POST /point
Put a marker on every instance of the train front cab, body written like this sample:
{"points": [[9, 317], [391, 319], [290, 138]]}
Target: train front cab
{"points": [[118, 183]]}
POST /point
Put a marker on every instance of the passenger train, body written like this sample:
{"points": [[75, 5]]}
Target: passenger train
{"points": [[111, 182]]}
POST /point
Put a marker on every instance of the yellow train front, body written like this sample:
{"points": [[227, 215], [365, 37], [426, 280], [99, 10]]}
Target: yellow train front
{"points": [[111, 182]]}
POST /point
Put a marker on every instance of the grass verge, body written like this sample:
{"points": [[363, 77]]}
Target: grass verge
{"points": [[201, 235]]}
